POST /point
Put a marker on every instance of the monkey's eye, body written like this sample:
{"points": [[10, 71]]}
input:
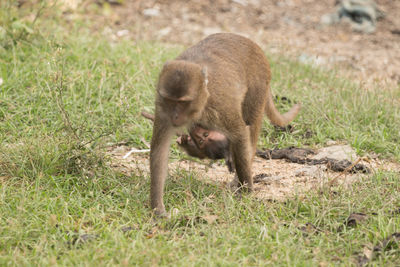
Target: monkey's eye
{"points": [[201, 141], [205, 134]]}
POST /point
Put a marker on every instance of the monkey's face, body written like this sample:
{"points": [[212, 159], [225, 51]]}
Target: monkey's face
{"points": [[212, 143], [179, 113]]}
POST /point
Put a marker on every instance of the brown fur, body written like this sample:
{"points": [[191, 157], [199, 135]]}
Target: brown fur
{"points": [[236, 96]]}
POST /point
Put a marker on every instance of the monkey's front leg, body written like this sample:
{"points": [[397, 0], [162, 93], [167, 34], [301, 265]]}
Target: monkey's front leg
{"points": [[159, 151]]}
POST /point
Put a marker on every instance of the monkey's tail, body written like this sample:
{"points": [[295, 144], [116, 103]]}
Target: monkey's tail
{"points": [[147, 115], [275, 117]]}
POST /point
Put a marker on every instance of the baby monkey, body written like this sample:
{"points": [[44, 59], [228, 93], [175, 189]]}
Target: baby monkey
{"points": [[203, 143]]}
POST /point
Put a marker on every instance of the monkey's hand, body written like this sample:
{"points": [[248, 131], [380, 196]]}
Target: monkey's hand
{"points": [[185, 141]]}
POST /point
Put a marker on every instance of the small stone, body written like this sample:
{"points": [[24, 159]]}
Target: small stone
{"points": [[330, 143], [240, 2], [151, 12], [164, 31], [122, 33], [312, 60], [311, 171]]}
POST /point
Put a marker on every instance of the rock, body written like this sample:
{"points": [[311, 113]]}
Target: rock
{"points": [[122, 33], [362, 15], [151, 12], [267, 178], [312, 60], [330, 19], [164, 31], [338, 152], [240, 2], [330, 143]]}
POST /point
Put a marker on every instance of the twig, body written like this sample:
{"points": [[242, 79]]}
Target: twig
{"points": [[39, 11], [95, 139], [331, 182], [43, 5], [134, 150], [60, 104], [144, 142]]}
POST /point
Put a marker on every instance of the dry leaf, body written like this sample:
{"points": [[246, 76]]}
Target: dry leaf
{"points": [[368, 252], [53, 219], [152, 233], [210, 219]]}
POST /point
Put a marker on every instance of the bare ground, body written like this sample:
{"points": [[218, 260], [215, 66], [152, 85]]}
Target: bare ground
{"points": [[279, 178], [289, 27]]}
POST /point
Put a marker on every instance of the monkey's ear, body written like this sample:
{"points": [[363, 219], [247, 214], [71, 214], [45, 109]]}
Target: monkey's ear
{"points": [[204, 72]]}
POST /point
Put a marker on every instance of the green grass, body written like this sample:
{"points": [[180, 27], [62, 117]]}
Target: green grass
{"points": [[67, 93], [336, 109]]}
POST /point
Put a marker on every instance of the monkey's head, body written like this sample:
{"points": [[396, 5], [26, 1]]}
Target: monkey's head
{"points": [[182, 91], [213, 144]]}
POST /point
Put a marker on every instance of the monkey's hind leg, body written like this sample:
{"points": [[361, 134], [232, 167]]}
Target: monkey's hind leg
{"points": [[242, 155]]}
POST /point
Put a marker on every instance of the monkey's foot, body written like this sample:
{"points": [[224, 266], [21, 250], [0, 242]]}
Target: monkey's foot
{"points": [[165, 215], [237, 188], [234, 185], [160, 213]]}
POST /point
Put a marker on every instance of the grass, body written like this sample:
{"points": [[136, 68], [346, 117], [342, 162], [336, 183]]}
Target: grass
{"points": [[68, 92]]}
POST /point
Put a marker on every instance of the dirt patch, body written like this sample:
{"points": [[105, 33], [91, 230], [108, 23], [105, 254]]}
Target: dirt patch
{"points": [[290, 27], [336, 161], [275, 179]]}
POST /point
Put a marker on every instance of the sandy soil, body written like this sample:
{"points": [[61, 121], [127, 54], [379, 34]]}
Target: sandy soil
{"points": [[279, 178], [289, 27]]}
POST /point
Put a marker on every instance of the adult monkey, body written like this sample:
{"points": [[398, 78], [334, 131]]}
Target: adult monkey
{"points": [[222, 84]]}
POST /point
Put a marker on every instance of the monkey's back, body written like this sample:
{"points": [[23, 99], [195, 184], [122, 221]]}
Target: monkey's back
{"points": [[237, 69], [226, 47]]}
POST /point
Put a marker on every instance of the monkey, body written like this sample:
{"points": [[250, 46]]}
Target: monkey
{"points": [[202, 143], [221, 84], [213, 144], [186, 142]]}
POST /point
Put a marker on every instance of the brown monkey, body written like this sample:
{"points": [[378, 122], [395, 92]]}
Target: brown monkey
{"points": [[220, 84]]}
